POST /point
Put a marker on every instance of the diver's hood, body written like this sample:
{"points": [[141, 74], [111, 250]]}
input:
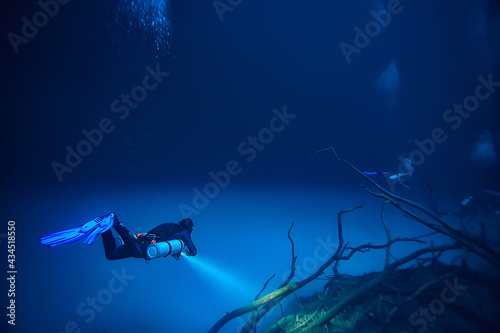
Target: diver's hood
{"points": [[187, 224]]}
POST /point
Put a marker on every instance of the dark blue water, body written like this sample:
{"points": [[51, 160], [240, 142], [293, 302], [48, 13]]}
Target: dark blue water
{"points": [[160, 110]]}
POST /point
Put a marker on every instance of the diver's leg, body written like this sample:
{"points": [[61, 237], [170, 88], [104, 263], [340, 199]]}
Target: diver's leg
{"points": [[111, 251], [128, 239]]}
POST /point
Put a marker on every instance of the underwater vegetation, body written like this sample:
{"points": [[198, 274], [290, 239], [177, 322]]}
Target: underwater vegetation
{"points": [[429, 296], [411, 293]]}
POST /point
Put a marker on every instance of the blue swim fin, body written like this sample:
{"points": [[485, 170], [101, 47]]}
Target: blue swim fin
{"points": [[90, 230], [104, 225]]}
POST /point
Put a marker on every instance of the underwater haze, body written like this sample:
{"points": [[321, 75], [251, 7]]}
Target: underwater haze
{"points": [[227, 112]]}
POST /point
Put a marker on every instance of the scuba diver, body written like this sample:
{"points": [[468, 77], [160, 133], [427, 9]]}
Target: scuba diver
{"points": [[161, 241], [477, 210], [405, 172]]}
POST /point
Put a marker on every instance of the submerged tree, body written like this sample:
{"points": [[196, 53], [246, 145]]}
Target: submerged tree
{"points": [[323, 316]]}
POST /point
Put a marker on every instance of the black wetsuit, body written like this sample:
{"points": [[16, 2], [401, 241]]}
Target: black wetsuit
{"points": [[137, 247]]}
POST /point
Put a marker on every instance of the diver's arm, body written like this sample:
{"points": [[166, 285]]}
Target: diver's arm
{"points": [[186, 238]]}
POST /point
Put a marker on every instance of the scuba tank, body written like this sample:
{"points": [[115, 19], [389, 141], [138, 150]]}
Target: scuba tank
{"points": [[164, 249]]}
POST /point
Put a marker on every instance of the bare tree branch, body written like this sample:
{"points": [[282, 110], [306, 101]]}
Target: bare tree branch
{"points": [[256, 316], [294, 259], [335, 310], [475, 246], [388, 233], [264, 287], [319, 319], [414, 295], [283, 292]]}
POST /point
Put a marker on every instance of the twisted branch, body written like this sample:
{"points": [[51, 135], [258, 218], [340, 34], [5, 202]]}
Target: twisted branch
{"points": [[334, 311], [475, 246], [278, 295]]}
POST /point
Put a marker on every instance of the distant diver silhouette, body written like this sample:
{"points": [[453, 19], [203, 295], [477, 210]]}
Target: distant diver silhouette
{"points": [[161, 241], [475, 210], [405, 172]]}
